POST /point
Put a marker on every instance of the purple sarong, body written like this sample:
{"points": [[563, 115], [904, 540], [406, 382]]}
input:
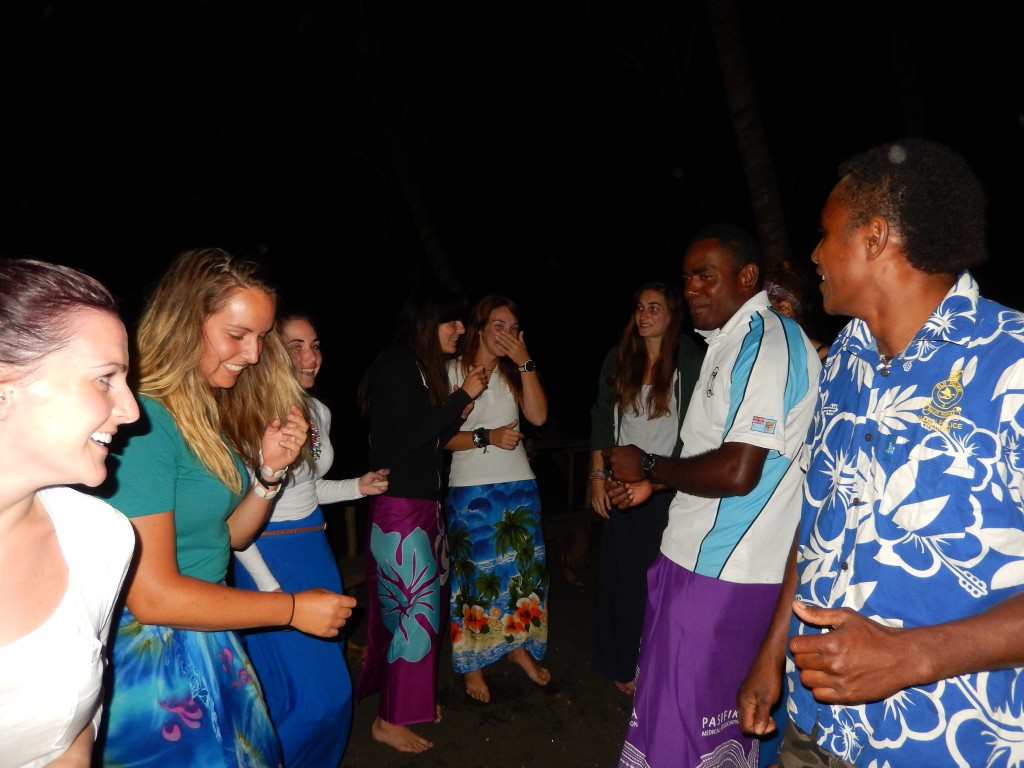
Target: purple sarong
{"points": [[700, 637], [407, 597]]}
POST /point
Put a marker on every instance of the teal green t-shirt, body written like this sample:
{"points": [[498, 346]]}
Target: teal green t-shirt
{"points": [[156, 472]]}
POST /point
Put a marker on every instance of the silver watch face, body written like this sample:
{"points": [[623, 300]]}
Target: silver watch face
{"points": [[529, 366], [648, 463]]}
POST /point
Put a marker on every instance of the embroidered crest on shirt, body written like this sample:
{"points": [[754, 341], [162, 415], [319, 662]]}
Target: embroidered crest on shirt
{"points": [[761, 424], [942, 413]]}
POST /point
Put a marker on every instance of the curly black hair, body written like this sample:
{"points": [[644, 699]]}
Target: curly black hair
{"points": [[928, 193], [734, 239]]}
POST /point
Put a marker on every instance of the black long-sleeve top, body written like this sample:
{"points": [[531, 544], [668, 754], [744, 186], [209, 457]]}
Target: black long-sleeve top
{"points": [[407, 432]]}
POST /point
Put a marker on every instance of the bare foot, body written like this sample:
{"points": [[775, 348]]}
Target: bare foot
{"points": [[437, 713], [628, 687], [398, 736], [537, 673], [476, 687]]}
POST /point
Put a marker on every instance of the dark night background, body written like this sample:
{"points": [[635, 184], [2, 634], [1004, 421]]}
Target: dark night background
{"points": [[558, 152]]}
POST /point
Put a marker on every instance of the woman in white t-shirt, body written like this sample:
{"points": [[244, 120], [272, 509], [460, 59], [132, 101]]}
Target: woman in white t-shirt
{"points": [[498, 560], [63, 554]]}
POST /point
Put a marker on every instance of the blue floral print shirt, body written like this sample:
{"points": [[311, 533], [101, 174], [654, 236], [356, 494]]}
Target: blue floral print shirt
{"points": [[912, 516]]}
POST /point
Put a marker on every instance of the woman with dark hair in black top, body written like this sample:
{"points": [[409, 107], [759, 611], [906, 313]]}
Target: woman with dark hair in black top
{"points": [[412, 412]]}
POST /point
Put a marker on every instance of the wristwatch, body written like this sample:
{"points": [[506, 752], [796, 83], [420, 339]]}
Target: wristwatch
{"points": [[528, 367], [481, 437], [648, 464]]}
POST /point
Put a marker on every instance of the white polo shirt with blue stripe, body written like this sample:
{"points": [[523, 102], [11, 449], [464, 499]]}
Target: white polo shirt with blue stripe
{"points": [[757, 385]]}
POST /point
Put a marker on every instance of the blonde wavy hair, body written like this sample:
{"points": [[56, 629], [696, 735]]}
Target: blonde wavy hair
{"points": [[170, 342]]}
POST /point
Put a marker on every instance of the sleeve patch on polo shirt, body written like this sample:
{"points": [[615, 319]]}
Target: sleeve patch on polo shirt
{"points": [[761, 424]]}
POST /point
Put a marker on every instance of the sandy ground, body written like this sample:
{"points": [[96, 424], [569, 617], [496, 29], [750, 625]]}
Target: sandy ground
{"points": [[577, 721]]}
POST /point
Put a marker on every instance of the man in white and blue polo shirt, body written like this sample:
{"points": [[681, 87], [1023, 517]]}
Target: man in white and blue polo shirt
{"points": [[714, 585]]}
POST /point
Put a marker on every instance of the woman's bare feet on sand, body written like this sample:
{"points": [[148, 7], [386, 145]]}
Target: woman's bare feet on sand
{"points": [[540, 675], [628, 687], [476, 687], [399, 736]]}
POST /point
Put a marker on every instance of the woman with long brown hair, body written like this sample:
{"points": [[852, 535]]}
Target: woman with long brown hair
{"points": [[412, 412], [645, 385], [500, 580]]}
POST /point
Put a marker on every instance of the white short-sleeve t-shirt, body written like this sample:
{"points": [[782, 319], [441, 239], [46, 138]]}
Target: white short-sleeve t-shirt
{"points": [[495, 407], [51, 679]]}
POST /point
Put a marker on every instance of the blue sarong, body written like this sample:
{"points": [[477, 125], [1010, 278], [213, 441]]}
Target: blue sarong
{"points": [[182, 698], [499, 573]]}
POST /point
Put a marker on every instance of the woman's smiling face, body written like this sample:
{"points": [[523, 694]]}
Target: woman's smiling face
{"points": [[233, 336], [304, 349]]}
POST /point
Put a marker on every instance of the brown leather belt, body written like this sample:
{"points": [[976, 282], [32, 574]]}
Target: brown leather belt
{"points": [[307, 529]]}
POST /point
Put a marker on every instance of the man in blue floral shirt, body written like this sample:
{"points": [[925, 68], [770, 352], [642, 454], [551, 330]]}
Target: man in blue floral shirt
{"points": [[906, 636]]}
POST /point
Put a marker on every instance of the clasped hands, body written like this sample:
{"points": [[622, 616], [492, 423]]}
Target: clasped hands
{"points": [[625, 485]]}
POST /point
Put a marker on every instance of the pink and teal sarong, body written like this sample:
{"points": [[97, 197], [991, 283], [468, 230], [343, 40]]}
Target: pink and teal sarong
{"points": [[407, 596]]}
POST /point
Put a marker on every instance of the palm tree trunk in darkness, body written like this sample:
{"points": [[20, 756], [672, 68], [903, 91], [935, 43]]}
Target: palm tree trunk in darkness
{"points": [[750, 139], [380, 41]]}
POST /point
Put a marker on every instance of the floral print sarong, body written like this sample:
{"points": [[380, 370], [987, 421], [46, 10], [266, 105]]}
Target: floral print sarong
{"points": [[407, 596], [184, 698], [499, 573]]}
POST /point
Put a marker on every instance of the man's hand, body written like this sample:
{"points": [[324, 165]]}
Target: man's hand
{"points": [[619, 494], [625, 495], [857, 661], [761, 688], [624, 463]]}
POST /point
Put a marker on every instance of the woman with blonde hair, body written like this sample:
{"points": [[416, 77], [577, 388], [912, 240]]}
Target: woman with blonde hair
{"points": [[218, 393]]}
